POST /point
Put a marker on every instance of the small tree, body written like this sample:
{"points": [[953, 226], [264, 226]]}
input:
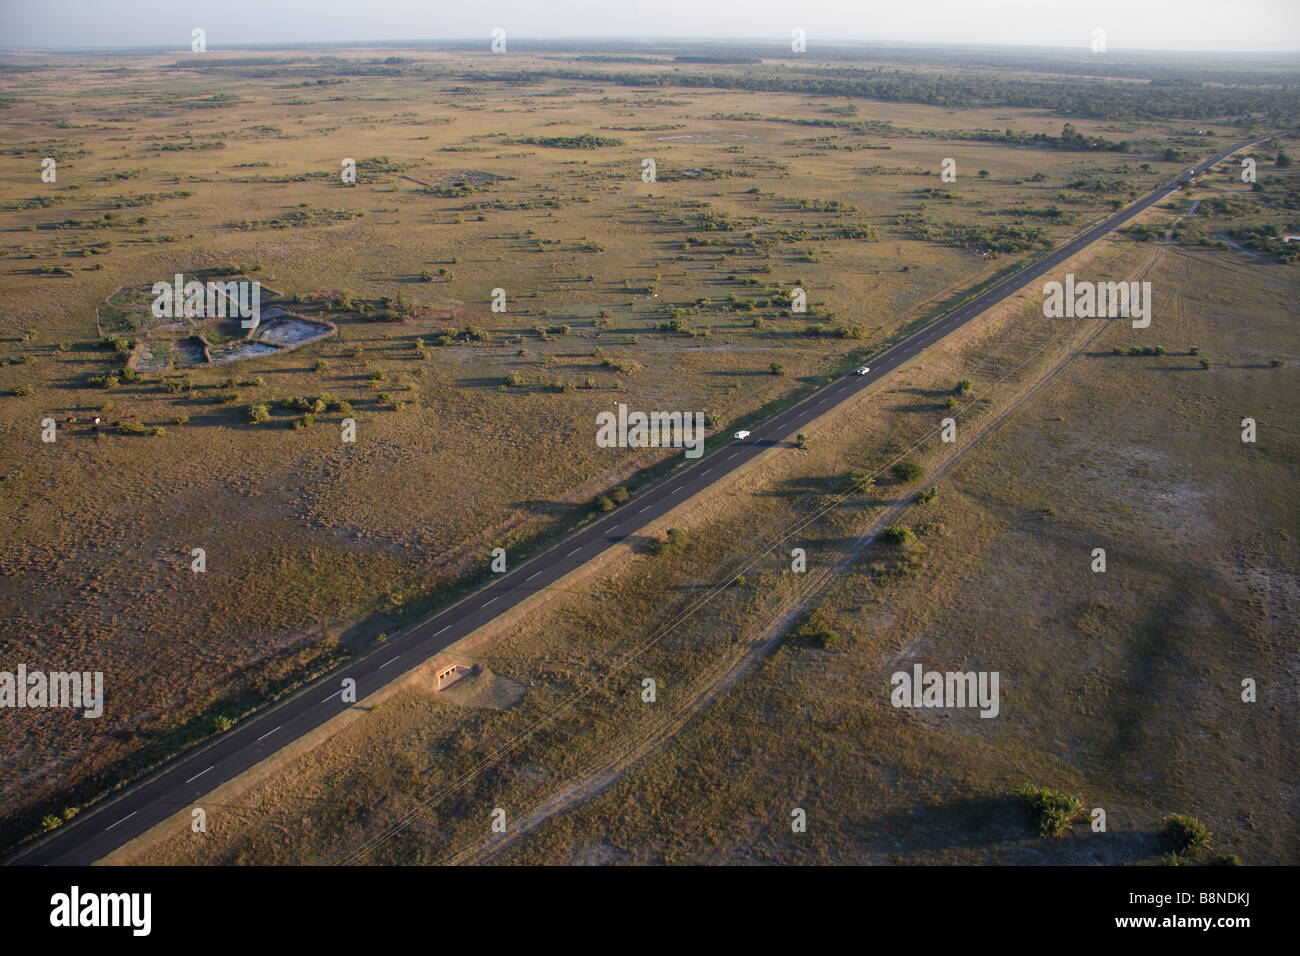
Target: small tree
{"points": [[776, 368], [898, 535], [908, 471], [673, 541]]}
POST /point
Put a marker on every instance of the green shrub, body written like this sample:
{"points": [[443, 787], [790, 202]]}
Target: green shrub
{"points": [[303, 421], [826, 638], [908, 471], [964, 387], [1184, 834], [258, 414], [672, 542], [776, 368], [223, 723], [861, 480], [21, 389], [897, 535], [619, 495], [1052, 811]]}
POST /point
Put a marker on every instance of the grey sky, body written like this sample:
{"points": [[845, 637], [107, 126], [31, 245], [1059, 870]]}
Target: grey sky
{"points": [[1129, 24]]}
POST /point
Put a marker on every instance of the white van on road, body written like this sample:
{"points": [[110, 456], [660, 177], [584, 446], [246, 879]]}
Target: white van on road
{"points": [[741, 435]]}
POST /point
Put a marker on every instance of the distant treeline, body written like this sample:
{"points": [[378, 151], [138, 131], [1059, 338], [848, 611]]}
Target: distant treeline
{"points": [[1068, 82], [1090, 99]]}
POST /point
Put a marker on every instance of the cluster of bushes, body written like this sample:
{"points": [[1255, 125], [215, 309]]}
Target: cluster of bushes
{"points": [[471, 333], [1053, 812], [814, 630], [1187, 839], [671, 543], [679, 327], [394, 308], [1266, 239], [611, 499], [584, 141], [995, 237], [53, 821], [135, 428], [838, 332], [309, 406]]}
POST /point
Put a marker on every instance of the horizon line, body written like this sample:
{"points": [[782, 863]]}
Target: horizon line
{"points": [[758, 41]]}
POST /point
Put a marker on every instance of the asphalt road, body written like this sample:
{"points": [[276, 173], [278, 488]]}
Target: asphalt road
{"points": [[184, 782]]}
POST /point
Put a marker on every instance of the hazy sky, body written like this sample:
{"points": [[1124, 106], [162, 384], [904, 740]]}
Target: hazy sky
{"points": [[1129, 24]]}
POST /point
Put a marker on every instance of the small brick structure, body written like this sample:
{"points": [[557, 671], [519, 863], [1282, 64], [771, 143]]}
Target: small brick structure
{"points": [[451, 673]]}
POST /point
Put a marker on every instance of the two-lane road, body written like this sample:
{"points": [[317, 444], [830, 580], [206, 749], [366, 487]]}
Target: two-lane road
{"points": [[184, 782]]}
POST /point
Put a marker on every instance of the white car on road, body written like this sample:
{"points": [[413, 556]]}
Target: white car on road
{"points": [[741, 435], [864, 370]]}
